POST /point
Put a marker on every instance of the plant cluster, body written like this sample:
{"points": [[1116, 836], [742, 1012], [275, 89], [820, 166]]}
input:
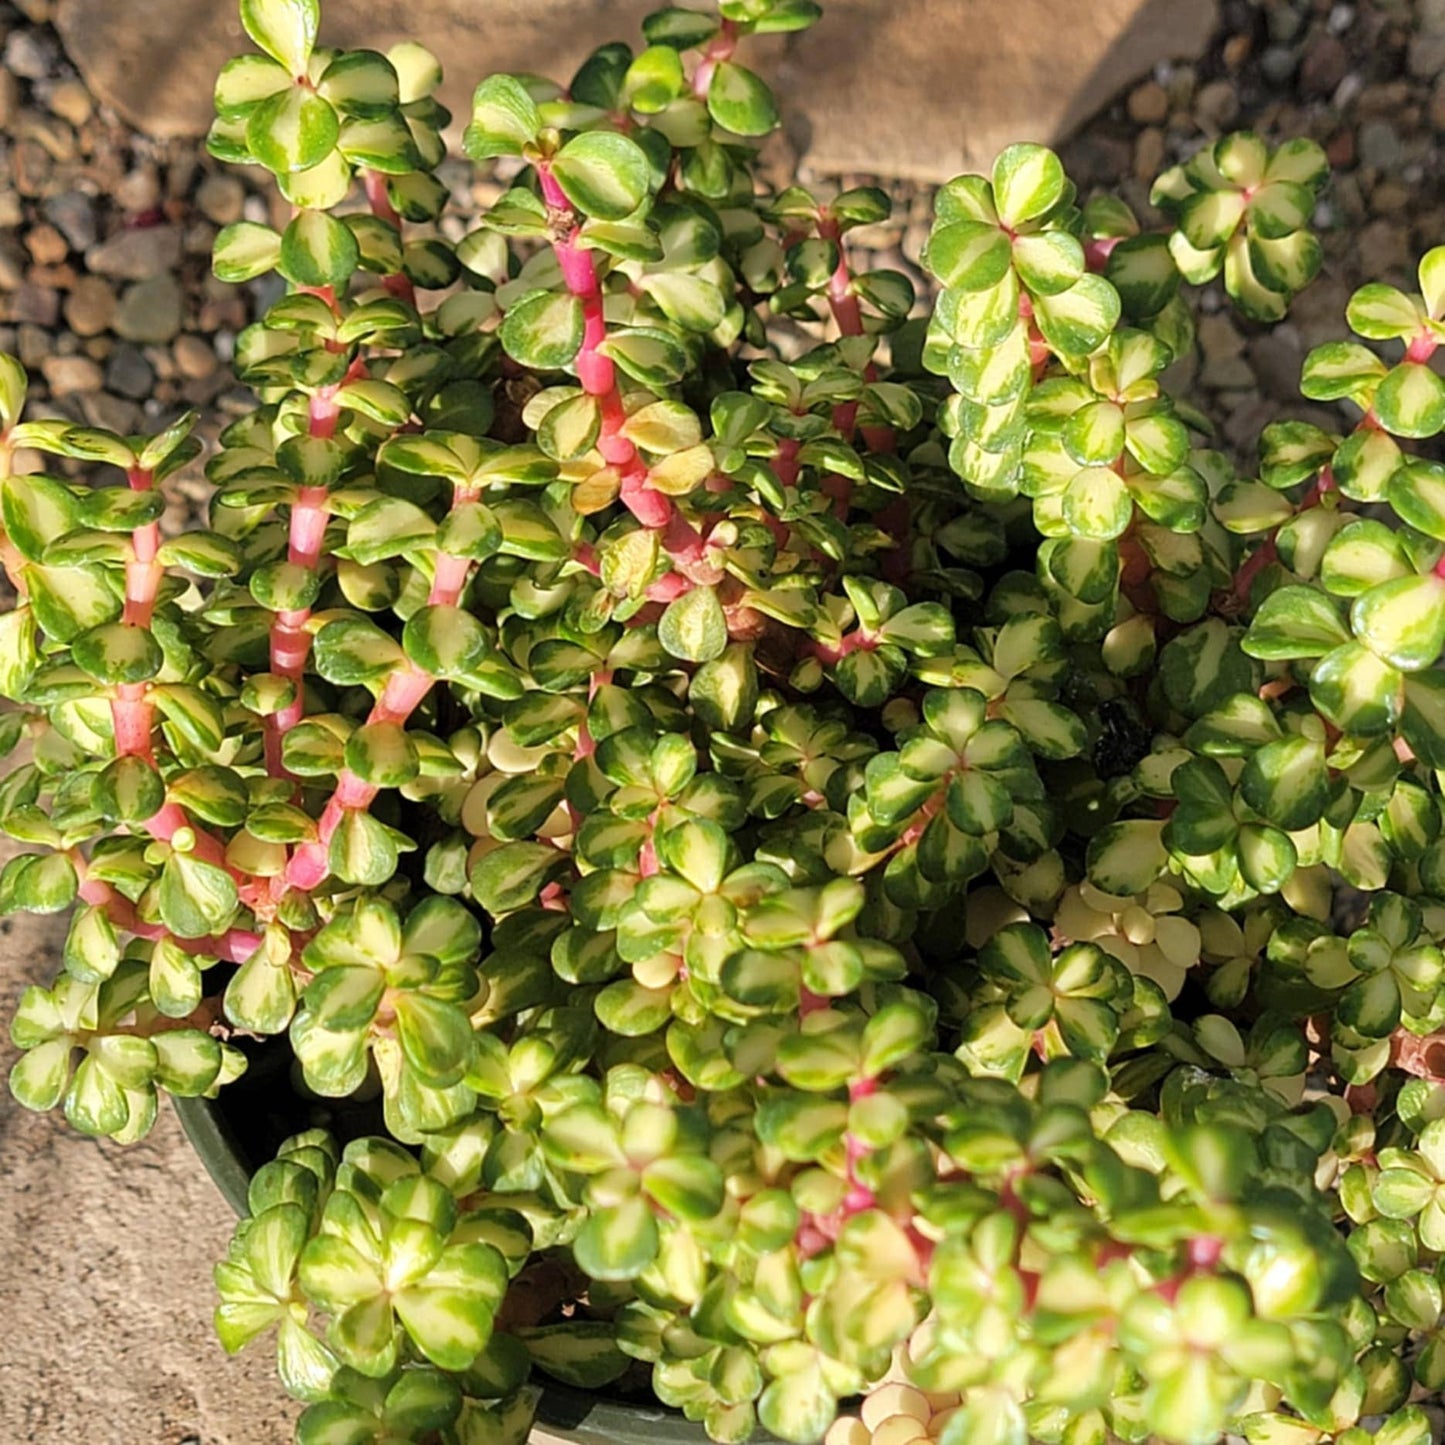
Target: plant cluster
{"points": [[883, 872]]}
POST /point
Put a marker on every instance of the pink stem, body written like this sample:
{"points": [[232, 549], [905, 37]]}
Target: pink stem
{"points": [[290, 641], [857, 641], [132, 713], [1097, 252], [1422, 348], [599, 377], [404, 692], [450, 579], [397, 284], [719, 49], [236, 945]]}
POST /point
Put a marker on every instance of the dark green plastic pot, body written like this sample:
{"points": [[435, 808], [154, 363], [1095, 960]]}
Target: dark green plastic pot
{"points": [[562, 1413]]}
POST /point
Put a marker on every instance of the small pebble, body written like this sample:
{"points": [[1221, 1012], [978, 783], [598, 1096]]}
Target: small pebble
{"points": [[150, 310], [1324, 67], [128, 372], [1237, 50], [222, 199], [46, 245], [1379, 145], [1390, 197], [33, 344], [138, 253], [1149, 154], [30, 54], [139, 190], [194, 357], [39, 305], [1148, 103], [72, 213], [1383, 249], [1217, 336], [9, 98], [90, 307], [12, 263], [66, 375], [1278, 63], [111, 412], [1217, 104], [70, 100]]}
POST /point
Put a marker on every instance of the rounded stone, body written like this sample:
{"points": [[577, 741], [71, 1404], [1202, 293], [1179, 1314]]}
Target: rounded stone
{"points": [[150, 311], [90, 307], [1148, 103], [194, 357], [67, 375]]}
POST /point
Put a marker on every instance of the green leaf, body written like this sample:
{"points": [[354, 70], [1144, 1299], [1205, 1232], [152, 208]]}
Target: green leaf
{"points": [[971, 255], [116, 653], [284, 29], [245, 250], [39, 1077], [1340, 369], [617, 1242], [1125, 858], [740, 101], [1286, 781], [603, 174], [543, 330], [195, 898], [1381, 313], [1078, 320], [317, 250], [580, 1353], [1295, 622], [293, 130], [1410, 401], [1417, 493], [1049, 262], [694, 627], [513, 875], [1403, 621], [504, 120], [435, 1037], [1028, 181]]}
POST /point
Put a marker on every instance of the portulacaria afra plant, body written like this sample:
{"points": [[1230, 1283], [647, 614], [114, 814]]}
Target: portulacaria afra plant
{"points": [[888, 872]]}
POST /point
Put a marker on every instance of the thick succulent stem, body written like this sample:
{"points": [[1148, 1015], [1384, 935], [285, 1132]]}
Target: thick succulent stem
{"points": [[404, 692], [236, 945], [598, 377], [131, 710], [290, 641], [719, 49], [398, 284]]}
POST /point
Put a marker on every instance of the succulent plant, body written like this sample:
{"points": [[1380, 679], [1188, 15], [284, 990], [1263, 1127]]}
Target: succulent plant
{"points": [[873, 871]]}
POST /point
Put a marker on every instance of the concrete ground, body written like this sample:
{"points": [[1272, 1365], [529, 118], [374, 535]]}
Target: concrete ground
{"points": [[105, 1276]]}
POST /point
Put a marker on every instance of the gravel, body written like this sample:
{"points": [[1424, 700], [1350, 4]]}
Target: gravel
{"points": [[105, 233]]}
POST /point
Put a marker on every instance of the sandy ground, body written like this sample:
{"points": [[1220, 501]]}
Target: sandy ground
{"points": [[105, 1276]]}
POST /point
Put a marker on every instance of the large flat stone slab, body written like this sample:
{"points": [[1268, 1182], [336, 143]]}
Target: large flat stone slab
{"points": [[919, 89]]}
